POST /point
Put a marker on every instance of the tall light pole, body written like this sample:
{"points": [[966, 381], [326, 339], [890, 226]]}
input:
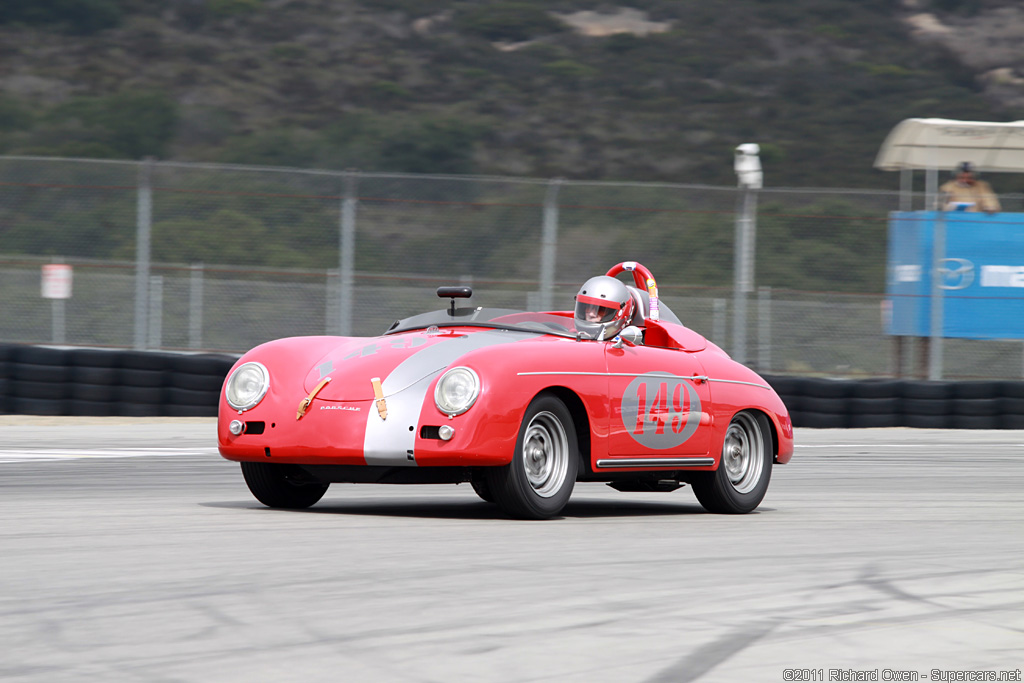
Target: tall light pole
{"points": [[750, 179]]}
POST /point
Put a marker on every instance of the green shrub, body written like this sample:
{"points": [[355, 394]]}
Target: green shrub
{"points": [[230, 8], [508, 21], [14, 115], [79, 17]]}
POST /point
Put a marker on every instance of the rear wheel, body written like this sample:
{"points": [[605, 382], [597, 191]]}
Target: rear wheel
{"points": [[741, 480], [539, 480], [279, 486]]}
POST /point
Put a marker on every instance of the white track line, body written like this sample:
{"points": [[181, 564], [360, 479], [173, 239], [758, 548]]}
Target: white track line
{"points": [[8, 455]]}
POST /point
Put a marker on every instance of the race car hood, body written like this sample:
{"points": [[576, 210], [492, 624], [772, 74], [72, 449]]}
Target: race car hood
{"points": [[399, 361]]}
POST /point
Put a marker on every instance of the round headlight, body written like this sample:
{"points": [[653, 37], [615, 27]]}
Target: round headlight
{"points": [[247, 386], [456, 391]]}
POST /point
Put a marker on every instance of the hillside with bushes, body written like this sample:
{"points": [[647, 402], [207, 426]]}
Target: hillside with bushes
{"points": [[656, 90]]}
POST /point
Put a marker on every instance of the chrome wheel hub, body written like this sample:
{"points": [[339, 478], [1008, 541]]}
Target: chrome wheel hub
{"points": [[743, 453], [545, 454]]}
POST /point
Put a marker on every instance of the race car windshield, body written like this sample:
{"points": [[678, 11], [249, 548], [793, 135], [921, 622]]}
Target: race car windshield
{"points": [[497, 318]]}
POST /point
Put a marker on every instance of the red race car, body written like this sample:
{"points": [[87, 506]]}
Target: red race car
{"points": [[519, 404]]}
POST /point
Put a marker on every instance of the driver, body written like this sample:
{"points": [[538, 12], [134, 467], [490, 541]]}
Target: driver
{"points": [[603, 306]]}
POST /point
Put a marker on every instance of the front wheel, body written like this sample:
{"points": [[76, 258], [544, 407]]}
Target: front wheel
{"points": [[539, 480], [741, 480], [483, 490], [276, 486]]}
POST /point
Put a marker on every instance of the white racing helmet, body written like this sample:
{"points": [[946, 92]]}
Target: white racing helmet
{"points": [[603, 305]]}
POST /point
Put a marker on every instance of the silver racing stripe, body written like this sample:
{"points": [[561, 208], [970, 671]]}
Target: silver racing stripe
{"points": [[390, 442]]}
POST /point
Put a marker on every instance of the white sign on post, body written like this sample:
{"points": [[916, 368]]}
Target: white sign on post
{"points": [[56, 281]]}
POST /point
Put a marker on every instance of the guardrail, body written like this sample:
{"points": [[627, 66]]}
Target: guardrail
{"points": [[41, 380]]}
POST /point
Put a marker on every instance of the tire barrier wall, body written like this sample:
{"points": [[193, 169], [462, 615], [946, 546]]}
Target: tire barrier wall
{"points": [[40, 380], [828, 403]]}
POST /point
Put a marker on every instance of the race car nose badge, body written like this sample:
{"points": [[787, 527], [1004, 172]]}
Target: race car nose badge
{"points": [[378, 392]]}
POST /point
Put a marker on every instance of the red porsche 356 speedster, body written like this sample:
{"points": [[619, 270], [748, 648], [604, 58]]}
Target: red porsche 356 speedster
{"points": [[520, 404]]}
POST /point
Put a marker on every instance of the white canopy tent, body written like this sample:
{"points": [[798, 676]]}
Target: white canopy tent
{"points": [[942, 144]]}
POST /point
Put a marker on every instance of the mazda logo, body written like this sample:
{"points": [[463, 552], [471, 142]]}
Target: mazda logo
{"points": [[955, 273]]}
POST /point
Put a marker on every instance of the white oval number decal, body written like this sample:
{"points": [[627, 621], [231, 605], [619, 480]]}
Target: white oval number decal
{"points": [[659, 411]]}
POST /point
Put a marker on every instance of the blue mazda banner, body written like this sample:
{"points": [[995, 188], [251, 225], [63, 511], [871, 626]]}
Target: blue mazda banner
{"points": [[980, 276]]}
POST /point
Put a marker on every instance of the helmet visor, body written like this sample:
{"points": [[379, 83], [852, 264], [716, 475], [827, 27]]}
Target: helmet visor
{"points": [[594, 310]]}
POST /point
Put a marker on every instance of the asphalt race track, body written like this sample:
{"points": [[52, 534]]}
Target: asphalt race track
{"points": [[129, 551]]}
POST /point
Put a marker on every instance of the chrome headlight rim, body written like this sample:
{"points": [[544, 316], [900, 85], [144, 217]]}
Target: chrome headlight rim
{"points": [[249, 405], [442, 404]]}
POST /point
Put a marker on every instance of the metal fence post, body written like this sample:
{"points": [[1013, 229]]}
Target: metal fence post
{"points": [[764, 329], [549, 244], [332, 290], [346, 257], [938, 294], [156, 314], [195, 307], [906, 189], [143, 227], [57, 310], [743, 264], [719, 313]]}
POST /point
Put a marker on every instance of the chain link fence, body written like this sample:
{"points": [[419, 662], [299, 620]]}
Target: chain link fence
{"points": [[221, 258]]}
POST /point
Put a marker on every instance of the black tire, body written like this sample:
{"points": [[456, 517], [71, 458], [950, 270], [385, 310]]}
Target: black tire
{"points": [[274, 485], [976, 389], [741, 480], [194, 382], [204, 364], [792, 386], [830, 406], [93, 358], [1011, 422], [975, 421], [39, 355], [1012, 389], [483, 490], [92, 408], [145, 360], [30, 372], [878, 388], [815, 420], [926, 406], [188, 397], [539, 480], [141, 378], [93, 375], [135, 394], [93, 392], [1011, 405], [47, 390], [38, 406], [975, 407], [874, 406], [871, 420], [139, 409], [925, 389], [926, 421], [828, 388]]}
